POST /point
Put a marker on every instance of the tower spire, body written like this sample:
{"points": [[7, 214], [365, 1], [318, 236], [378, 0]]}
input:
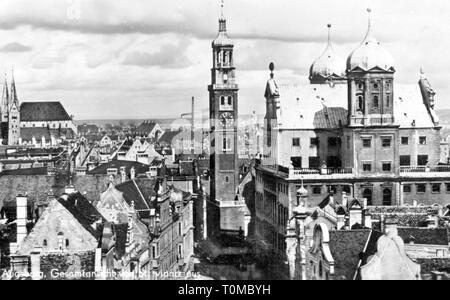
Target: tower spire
{"points": [[369, 25], [222, 20], [14, 97], [329, 34]]}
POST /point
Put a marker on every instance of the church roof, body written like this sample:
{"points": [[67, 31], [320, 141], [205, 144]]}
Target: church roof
{"points": [[146, 127], [43, 111]]}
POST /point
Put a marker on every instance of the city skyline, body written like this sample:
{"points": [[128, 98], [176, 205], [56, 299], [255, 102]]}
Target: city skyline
{"points": [[92, 54]]}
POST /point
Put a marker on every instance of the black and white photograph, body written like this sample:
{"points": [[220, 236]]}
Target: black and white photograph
{"points": [[204, 142]]}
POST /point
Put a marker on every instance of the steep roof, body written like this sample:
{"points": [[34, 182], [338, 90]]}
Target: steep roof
{"points": [[168, 137], [324, 106], [139, 191], [348, 247], [43, 111], [84, 212], [145, 127]]}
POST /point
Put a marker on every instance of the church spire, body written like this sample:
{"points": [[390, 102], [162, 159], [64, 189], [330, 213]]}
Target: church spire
{"points": [[5, 100], [222, 20], [14, 98]]}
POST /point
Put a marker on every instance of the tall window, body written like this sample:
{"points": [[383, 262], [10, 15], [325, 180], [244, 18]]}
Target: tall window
{"points": [[367, 193], [386, 166], [222, 100], [360, 103], [387, 197], [422, 160], [230, 100], [405, 160], [226, 144], [376, 102]]}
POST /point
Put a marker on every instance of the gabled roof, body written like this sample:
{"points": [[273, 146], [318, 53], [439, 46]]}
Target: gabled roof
{"points": [[139, 191], [348, 247], [145, 127], [168, 137], [84, 212], [43, 111]]}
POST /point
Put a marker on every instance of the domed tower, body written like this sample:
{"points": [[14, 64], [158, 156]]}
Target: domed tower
{"points": [[329, 67], [370, 73]]}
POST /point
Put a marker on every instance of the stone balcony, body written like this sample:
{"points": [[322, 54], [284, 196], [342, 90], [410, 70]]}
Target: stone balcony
{"points": [[323, 173], [425, 171]]}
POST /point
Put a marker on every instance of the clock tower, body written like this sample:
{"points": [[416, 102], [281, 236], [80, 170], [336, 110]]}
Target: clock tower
{"points": [[223, 112]]}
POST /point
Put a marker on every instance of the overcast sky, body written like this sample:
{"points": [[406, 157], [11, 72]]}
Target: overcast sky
{"points": [[146, 58]]}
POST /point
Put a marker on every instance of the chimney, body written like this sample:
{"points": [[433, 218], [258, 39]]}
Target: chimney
{"points": [[133, 173], [390, 226], [65, 197], [21, 204], [35, 260], [340, 222], [367, 219], [364, 200], [414, 202], [344, 199], [355, 216], [123, 175]]}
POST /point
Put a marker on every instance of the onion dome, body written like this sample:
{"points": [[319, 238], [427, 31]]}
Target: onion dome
{"points": [[222, 38], [370, 54], [329, 66]]}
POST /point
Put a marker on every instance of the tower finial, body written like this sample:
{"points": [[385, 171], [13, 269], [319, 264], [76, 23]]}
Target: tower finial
{"points": [[369, 26], [222, 4], [271, 68], [329, 34]]}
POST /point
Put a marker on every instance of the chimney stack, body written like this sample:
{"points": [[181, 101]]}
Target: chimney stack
{"points": [[133, 173], [123, 174], [22, 216], [344, 199]]}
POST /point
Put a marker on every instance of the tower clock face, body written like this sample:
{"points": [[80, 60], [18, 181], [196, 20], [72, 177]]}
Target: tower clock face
{"points": [[226, 119]]}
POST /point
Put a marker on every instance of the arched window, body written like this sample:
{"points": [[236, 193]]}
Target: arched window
{"points": [[222, 100], [387, 197], [230, 100], [376, 102], [67, 243], [360, 102], [44, 243], [388, 99], [367, 193]]}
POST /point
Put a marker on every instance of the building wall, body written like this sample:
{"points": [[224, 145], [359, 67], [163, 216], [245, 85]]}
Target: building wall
{"points": [[56, 220]]}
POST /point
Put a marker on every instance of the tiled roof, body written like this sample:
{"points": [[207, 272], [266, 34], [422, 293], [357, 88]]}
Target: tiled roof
{"points": [[140, 168], [324, 106], [27, 134], [168, 138], [121, 239], [138, 191], [346, 247], [427, 236], [27, 171], [43, 111], [37, 186], [84, 212], [145, 127]]}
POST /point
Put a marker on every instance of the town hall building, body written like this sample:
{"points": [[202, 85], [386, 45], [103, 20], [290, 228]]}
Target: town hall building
{"points": [[354, 131]]}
